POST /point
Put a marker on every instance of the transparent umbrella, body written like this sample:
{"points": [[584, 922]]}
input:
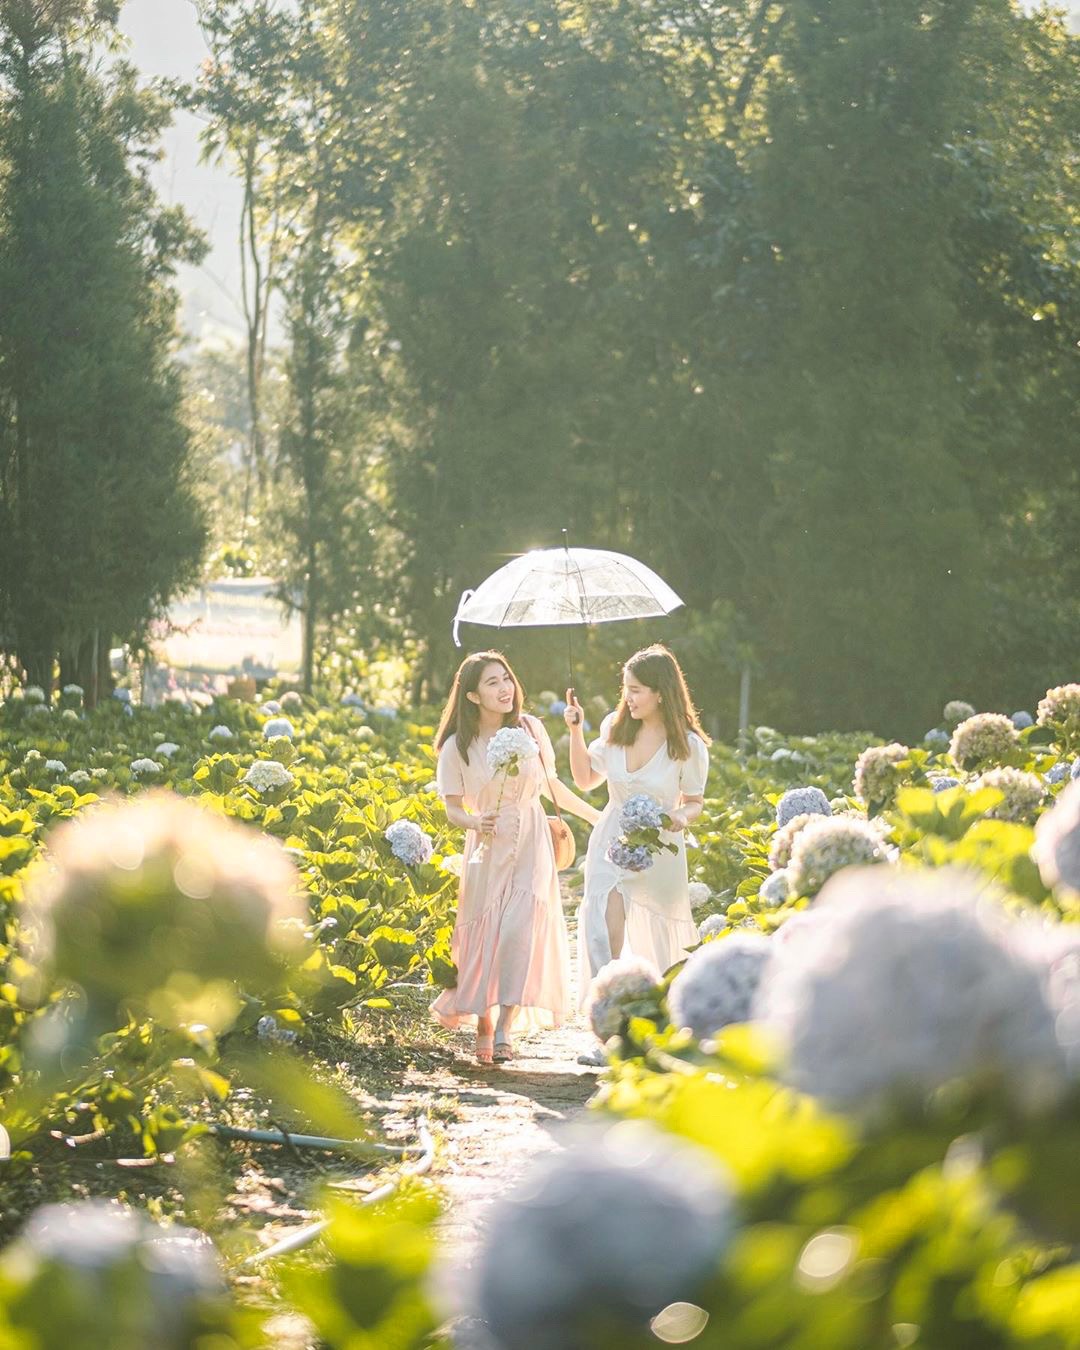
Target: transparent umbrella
{"points": [[566, 586]]}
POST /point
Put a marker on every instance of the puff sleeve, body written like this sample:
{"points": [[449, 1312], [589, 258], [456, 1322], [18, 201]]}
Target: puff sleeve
{"points": [[449, 774], [695, 770], [598, 748]]}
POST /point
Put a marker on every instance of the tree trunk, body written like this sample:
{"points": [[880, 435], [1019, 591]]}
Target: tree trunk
{"points": [[312, 602]]}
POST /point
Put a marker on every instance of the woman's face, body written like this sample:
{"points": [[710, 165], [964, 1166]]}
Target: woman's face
{"points": [[495, 692], [641, 701]]}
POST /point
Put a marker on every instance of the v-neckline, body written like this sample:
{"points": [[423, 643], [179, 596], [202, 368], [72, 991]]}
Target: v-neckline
{"points": [[626, 759]]}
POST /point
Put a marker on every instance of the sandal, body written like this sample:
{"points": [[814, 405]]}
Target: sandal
{"points": [[504, 1050], [483, 1048]]}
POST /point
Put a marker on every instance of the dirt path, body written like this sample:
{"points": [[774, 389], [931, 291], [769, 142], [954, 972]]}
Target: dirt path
{"points": [[493, 1120]]}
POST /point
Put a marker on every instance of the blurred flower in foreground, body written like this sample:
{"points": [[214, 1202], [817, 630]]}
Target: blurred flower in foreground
{"points": [[96, 1273], [608, 1233], [155, 887], [905, 981], [718, 983]]}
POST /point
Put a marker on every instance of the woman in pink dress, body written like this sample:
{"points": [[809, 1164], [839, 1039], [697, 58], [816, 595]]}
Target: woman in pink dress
{"points": [[510, 943]]}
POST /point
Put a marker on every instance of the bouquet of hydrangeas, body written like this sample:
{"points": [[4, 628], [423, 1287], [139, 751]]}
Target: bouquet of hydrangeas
{"points": [[642, 820], [508, 749]]}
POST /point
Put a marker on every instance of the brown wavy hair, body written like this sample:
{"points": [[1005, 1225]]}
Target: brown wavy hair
{"points": [[657, 669], [461, 716]]}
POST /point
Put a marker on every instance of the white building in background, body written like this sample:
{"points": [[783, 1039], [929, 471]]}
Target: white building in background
{"points": [[235, 626]]}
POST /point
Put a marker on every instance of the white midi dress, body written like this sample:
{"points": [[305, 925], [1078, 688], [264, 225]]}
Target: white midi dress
{"points": [[659, 925]]}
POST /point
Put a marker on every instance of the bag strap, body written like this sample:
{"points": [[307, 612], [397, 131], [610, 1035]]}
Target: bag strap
{"points": [[540, 748]]}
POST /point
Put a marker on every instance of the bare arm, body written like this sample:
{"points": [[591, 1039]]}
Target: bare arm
{"points": [[686, 813], [570, 801], [465, 820], [584, 775]]}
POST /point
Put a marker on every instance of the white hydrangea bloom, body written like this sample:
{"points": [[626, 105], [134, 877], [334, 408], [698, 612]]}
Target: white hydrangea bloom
{"points": [[32, 759], [709, 927], [957, 711], [876, 774], [277, 726], [69, 715], [699, 894], [220, 733], [508, 747], [167, 749], [1023, 794], [782, 840], [904, 981], [801, 801], [80, 778], [825, 847], [776, 888], [145, 768], [1057, 843], [38, 710], [291, 701], [627, 1220], [56, 767], [267, 775], [408, 843], [984, 738], [615, 985], [1059, 709], [33, 693], [73, 690], [453, 864], [718, 983]]}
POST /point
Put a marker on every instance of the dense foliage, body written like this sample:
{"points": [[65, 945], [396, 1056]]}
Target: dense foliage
{"points": [[847, 1117], [100, 520], [780, 298]]}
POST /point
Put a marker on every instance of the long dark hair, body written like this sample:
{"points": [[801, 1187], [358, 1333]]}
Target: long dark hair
{"points": [[657, 669], [461, 716]]}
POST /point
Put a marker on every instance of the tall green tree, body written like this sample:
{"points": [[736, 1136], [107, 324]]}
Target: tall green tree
{"points": [[99, 517]]}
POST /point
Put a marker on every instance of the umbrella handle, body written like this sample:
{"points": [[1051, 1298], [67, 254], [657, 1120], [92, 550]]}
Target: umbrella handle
{"points": [[465, 597]]}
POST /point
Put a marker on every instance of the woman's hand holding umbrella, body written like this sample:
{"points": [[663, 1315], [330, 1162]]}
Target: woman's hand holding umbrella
{"points": [[574, 715]]}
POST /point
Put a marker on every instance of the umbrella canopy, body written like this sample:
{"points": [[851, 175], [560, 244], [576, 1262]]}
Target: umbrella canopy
{"points": [[566, 586]]}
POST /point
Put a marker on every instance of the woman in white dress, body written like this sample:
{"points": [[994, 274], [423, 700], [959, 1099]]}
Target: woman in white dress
{"points": [[652, 743]]}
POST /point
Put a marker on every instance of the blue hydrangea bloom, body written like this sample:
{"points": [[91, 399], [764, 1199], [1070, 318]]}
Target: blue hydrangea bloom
{"points": [[801, 801], [641, 812], [636, 859], [1020, 720], [936, 736]]}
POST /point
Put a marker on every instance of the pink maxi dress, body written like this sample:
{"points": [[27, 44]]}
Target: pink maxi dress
{"points": [[510, 943]]}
